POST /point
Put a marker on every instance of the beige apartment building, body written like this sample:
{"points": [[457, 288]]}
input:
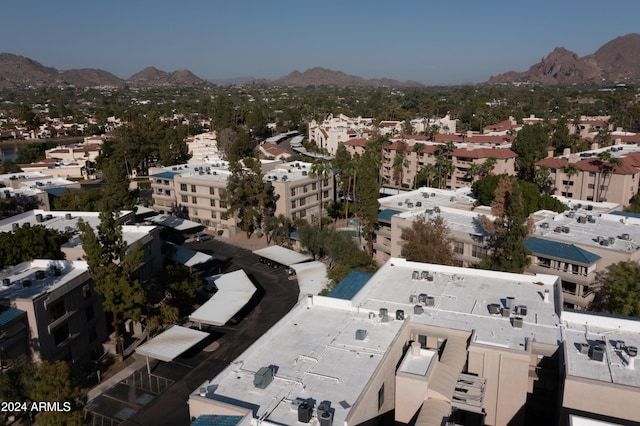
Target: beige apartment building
{"points": [[593, 179], [197, 191], [63, 313]]}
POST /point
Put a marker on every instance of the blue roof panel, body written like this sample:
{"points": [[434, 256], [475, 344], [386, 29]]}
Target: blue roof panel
{"points": [[627, 214], [386, 214], [165, 175], [9, 315], [559, 250], [216, 420], [350, 285]]}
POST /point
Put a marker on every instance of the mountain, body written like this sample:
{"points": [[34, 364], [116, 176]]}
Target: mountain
{"points": [[19, 71], [323, 77], [153, 77], [617, 60]]}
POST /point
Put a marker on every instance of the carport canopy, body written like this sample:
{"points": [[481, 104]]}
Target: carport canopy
{"points": [[235, 289], [282, 255], [171, 343]]}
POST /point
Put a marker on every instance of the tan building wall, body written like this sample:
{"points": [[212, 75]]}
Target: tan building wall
{"points": [[601, 398]]}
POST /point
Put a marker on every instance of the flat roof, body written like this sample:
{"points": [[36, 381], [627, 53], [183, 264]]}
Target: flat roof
{"points": [[425, 197], [603, 225], [580, 329], [177, 223], [327, 349], [282, 255], [311, 276], [171, 343], [186, 256], [28, 280], [235, 289]]}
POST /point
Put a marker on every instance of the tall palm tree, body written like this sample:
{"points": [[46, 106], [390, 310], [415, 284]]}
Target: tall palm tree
{"points": [[320, 169], [606, 164], [570, 170]]}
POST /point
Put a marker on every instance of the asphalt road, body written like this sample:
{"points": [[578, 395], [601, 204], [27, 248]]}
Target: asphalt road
{"points": [[280, 295]]}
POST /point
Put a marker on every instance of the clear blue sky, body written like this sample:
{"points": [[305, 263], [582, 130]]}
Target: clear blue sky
{"points": [[432, 42]]}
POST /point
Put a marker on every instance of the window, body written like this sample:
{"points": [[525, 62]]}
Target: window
{"points": [[325, 194], [212, 191], [604, 187], [380, 396], [590, 186], [193, 188], [183, 187], [86, 291], [293, 204], [303, 201], [167, 192], [166, 182], [214, 215], [223, 204], [458, 247], [185, 198], [57, 310], [305, 189], [212, 203], [61, 334], [303, 213], [313, 186], [544, 262], [194, 212], [293, 192], [194, 200], [478, 251], [592, 174]]}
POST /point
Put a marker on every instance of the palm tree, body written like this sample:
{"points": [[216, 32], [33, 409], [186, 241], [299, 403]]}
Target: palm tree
{"points": [[570, 170], [320, 169], [606, 164]]}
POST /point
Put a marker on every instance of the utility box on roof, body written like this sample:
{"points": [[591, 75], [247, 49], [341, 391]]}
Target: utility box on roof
{"points": [[263, 377]]}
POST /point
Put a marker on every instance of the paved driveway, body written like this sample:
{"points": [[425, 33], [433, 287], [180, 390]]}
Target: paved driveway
{"points": [[162, 398]]}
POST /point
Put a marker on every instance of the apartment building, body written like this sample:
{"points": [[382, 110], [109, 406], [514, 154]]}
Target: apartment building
{"points": [[333, 131], [198, 191], [465, 160], [148, 237], [203, 147], [417, 341], [594, 179], [51, 311]]}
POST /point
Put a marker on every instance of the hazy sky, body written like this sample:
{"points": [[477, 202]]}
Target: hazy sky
{"points": [[432, 42]]}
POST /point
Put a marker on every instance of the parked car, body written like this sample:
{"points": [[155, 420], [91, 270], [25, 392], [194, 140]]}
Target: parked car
{"points": [[202, 237]]}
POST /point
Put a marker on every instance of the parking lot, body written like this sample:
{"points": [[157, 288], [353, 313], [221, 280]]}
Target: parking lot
{"points": [[161, 398]]}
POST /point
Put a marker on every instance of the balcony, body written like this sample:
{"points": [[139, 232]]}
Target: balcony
{"points": [[582, 301]]}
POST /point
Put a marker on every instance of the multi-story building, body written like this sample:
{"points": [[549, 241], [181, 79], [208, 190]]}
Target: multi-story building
{"points": [[417, 341], [584, 176], [336, 130], [203, 147], [51, 311], [198, 191]]}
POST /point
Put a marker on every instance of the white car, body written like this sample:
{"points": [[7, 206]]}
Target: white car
{"points": [[202, 237]]}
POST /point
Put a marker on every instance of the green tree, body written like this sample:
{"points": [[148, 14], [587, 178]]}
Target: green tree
{"points": [[248, 196], [531, 145], [444, 163], [428, 242], [179, 287], [116, 185], [36, 242], [16, 382], [570, 170], [321, 170], [368, 190], [81, 200], [508, 231], [277, 229], [113, 268], [606, 164], [399, 163], [55, 383], [618, 290]]}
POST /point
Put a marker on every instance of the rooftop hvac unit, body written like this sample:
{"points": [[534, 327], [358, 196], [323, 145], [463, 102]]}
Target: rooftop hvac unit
{"points": [[431, 301], [323, 407], [422, 298], [361, 334], [15, 226], [620, 344], [400, 203], [6, 282], [582, 219], [383, 312], [304, 412], [413, 299], [522, 310], [436, 209], [589, 207], [625, 237], [571, 214], [612, 240], [494, 308], [26, 283], [263, 377], [39, 274], [418, 203], [604, 242], [557, 229], [631, 350], [506, 312], [400, 315], [39, 218], [591, 219], [415, 275], [453, 199], [26, 225], [584, 348], [304, 173], [597, 353], [509, 302], [326, 418], [410, 205], [424, 275], [544, 225], [425, 195], [433, 194], [578, 206], [565, 229], [517, 322], [418, 310], [48, 217], [67, 216]]}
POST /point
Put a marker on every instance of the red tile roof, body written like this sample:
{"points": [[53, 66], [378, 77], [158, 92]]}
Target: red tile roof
{"points": [[501, 153], [553, 163], [356, 142]]}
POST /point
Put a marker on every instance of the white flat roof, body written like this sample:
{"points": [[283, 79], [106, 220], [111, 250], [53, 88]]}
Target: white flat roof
{"points": [[235, 289], [188, 257], [176, 223], [171, 343], [18, 274], [586, 329], [312, 277], [282, 255]]}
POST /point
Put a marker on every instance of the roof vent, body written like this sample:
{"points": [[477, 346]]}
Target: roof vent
{"points": [[418, 310], [304, 173], [433, 194], [425, 195], [494, 308], [6, 282], [544, 225], [517, 322], [400, 315], [415, 275], [39, 274], [625, 237], [430, 301], [582, 219], [304, 412], [361, 334], [263, 377], [522, 310], [571, 214], [597, 353]]}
